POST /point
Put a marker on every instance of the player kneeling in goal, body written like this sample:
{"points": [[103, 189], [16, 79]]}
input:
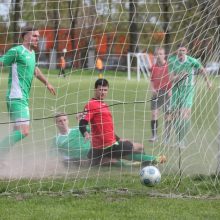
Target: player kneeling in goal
{"points": [[107, 147]]}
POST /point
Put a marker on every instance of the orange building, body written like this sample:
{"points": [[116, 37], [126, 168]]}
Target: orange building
{"points": [[76, 46]]}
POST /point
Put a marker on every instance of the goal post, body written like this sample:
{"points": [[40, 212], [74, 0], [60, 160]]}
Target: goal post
{"points": [[143, 66], [218, 154]]}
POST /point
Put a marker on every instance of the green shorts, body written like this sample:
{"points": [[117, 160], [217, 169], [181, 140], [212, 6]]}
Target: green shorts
{"points": [[19, 111], [182, 97]]}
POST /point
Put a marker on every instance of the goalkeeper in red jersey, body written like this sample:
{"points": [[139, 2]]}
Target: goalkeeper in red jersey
{"points": [[107, 147]]}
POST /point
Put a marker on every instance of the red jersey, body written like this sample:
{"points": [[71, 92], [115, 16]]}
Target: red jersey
{"points": [[160, 77], [97, 113]]}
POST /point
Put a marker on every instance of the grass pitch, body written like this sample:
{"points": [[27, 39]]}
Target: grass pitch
{"points": [[37, 183]]}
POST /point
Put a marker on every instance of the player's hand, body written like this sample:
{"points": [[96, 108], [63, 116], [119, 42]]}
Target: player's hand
{"points": [[209, 84], [87, 136], [51, 89], [184, 75], [79, 116], [153, 91], [170, 93]]}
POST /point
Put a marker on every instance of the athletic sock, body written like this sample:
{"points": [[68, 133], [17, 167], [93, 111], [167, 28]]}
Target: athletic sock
{"points": [[154, 125], [141, 157], [10, 140], [183, 129], [176, 125], [119, 163], [168, 126]]}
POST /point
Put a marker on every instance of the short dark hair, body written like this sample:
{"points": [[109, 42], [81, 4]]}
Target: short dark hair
{"points": [[183, 44], [27, 29], [101, 82]]}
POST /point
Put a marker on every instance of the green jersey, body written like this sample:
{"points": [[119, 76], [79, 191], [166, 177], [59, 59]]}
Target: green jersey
{"points": [[22, 66], [72, 144], [183, 92], [188, 66]]}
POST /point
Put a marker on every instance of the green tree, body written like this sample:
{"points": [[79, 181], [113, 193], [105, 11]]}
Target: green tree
{"points": [[73, 14], [133, 28]]}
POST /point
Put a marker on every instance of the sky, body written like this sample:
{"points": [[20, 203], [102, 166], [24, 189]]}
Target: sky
{"points": [[4, 9]]}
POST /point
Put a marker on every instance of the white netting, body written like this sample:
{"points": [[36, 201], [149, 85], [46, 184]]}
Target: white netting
{"points": [[82, 32]]}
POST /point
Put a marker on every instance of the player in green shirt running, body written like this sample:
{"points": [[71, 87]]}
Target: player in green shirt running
{"points": [[22, 64], [181, 70]]}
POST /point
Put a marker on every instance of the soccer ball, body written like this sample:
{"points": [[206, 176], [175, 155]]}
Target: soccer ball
{"points": [[150, 176]]}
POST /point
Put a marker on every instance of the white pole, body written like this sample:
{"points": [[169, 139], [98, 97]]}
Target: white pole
{"points": [[143, 66], [218, 157], [138, 68], [129, 65]]}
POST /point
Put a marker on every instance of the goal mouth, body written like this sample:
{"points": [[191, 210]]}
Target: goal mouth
{"points": [[82, 41]]}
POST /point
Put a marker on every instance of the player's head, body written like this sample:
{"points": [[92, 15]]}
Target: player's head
{"points": [[101, 88], [160, 55], [30, 36], [181, 52], [62, 122]]}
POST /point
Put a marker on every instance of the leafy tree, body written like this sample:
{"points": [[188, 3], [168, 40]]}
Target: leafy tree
{"points": [[16, 18], [133, 28]]}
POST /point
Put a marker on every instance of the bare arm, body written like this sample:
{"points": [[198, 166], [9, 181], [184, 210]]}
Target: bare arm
{"points": [[153, 90], [39, 75]]}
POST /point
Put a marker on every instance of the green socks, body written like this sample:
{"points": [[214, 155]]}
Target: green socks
{"points": [[141, 157], [119, 163], [181, 127], [9, 141], [168, 126], [135, 157]]}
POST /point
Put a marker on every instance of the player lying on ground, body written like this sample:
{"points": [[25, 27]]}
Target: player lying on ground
{"points": [[107, 147], [69, 142], [22, 65], [72, 146]]}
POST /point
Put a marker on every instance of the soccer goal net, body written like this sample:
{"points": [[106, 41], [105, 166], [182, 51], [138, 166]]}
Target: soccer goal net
{"points": [[81, 41]]}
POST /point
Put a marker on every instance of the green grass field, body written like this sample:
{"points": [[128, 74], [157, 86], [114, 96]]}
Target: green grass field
{"points": [[36, 183]]}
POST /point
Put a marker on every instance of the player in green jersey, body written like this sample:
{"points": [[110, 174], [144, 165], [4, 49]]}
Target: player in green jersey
{"points": [[22, 64], [181, 70], [69, 142], [72, 146]]}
